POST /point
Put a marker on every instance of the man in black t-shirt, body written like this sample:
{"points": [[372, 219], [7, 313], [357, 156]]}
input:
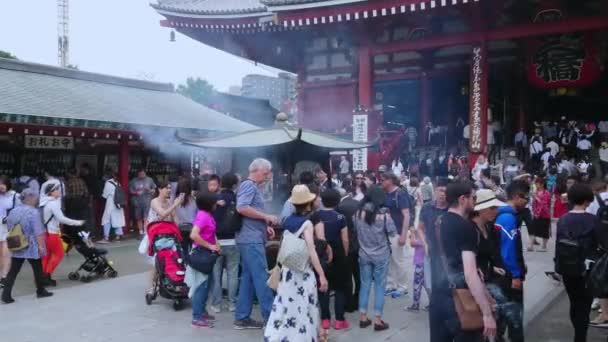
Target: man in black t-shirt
{"points": [[457, 245]]}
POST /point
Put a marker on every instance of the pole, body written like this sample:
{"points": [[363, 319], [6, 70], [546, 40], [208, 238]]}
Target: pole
{"points": [[123, 171]]}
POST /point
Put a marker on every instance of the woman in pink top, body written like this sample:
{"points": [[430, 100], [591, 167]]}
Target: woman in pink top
{"points": [[203, 236], [541, 211]]}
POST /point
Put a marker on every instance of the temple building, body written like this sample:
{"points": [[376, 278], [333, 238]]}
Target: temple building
{"points": [[386, 65]]}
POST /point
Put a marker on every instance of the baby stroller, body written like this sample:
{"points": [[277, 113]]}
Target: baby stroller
{"points": [[95, 264], [165, 241]]}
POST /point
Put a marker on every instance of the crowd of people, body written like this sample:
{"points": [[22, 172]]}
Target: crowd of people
{"points": [[464, 225]]}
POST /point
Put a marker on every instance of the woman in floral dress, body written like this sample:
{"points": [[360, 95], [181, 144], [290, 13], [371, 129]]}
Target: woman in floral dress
{"points": [[295, 314]]}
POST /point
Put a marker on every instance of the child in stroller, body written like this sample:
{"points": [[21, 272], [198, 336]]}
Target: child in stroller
{"points": [[95, 264], [165, 242]]}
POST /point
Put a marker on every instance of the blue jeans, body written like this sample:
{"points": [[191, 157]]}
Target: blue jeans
{"points": [[229, 255], [373, 272], [199, 300], [254, 275]]}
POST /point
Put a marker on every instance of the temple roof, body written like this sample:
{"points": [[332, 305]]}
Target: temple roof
{"points": [[211, 7], [275, 136], [302, 2], [41, 90]]}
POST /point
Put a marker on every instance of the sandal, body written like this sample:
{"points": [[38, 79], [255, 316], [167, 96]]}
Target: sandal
{"points": [[365, 324], [380, 327], [324, 335]]}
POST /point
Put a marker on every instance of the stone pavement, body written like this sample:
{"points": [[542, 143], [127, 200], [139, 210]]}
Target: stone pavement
{"points": [[115, 310]]}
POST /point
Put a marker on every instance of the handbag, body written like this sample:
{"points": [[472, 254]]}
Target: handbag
{"points": [[598, 276], [202, 259], [468, 311], [16, 240], [293, 252]]}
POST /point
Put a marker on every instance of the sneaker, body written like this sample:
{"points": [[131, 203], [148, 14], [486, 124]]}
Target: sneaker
{"points": [[215, 309], [599, 322], [389, 292], [43, 293], [231, 307], [7, 300], [341, 325], [325, 324], [399, 294], [596, 304], [381, 327], [209, 318], [248, 324], [201, 323], [413, 308], [104, 241]]}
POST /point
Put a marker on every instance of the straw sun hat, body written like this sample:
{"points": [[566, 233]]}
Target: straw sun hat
{"points": [[301, 195], [487, 199]]}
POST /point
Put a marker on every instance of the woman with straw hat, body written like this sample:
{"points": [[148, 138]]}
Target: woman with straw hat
{"points": [[295, 313]]}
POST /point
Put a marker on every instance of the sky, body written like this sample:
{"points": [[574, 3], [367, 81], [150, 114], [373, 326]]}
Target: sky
{"points": [[117, 37]]}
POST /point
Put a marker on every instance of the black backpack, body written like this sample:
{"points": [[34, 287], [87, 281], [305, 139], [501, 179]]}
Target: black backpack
{"points": [[602, 212], [570, 256], [120, 197], [20, 186], [232, 221]]}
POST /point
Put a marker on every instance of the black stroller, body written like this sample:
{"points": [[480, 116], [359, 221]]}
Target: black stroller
{"points": [[95, 264]]}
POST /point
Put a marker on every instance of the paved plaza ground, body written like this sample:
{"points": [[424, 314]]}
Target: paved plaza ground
{"points": [[115, 310]]}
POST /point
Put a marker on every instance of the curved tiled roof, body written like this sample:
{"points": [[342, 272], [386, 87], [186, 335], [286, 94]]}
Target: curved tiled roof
{"points": [[211, 7], [289, 2]]}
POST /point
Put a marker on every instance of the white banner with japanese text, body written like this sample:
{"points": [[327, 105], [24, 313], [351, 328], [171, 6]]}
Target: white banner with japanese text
{"points": [[360, 127]]}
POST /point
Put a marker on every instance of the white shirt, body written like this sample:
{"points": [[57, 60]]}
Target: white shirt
{"points": [[397, 168], [554, 147], [54, 216], [466, 132], [594, 206], [604, 154], [583, 144], [545, 158], [583, 167], [535, 148], [490, 134], [8, 201]]}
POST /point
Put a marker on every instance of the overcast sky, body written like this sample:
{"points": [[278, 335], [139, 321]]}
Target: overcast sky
{"points": [[117, 37]]}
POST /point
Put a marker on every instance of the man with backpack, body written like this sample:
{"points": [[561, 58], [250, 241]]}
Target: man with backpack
{"points": [[400, 205], [577, 242], [26, 182], [228, 221]]}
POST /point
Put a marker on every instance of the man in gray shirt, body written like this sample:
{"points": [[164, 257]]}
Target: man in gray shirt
{"points": [[251, 242], [141, 189]]}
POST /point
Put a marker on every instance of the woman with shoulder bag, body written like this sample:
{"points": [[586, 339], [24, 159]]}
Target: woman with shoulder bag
{"points": [[295, 313], [203, 237]]}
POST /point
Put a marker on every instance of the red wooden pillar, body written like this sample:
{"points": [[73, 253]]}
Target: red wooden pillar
{"points": [[365, 77], [123, 173], [425, 107], [478, 102]]}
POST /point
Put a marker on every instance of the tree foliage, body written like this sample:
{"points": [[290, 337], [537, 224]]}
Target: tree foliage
{"points": [[4, 54], [197, 89]]}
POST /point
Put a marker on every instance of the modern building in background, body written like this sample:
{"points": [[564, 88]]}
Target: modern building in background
{"points": [[278, 90]]}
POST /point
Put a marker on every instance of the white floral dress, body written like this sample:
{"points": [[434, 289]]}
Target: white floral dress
{"points": [[295, 314]]}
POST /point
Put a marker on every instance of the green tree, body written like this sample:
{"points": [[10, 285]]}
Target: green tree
{"points": [[4, 54], [197, 89]]}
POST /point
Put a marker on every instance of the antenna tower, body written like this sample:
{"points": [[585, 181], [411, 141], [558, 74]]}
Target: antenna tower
{"points": [[63, 20]]}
